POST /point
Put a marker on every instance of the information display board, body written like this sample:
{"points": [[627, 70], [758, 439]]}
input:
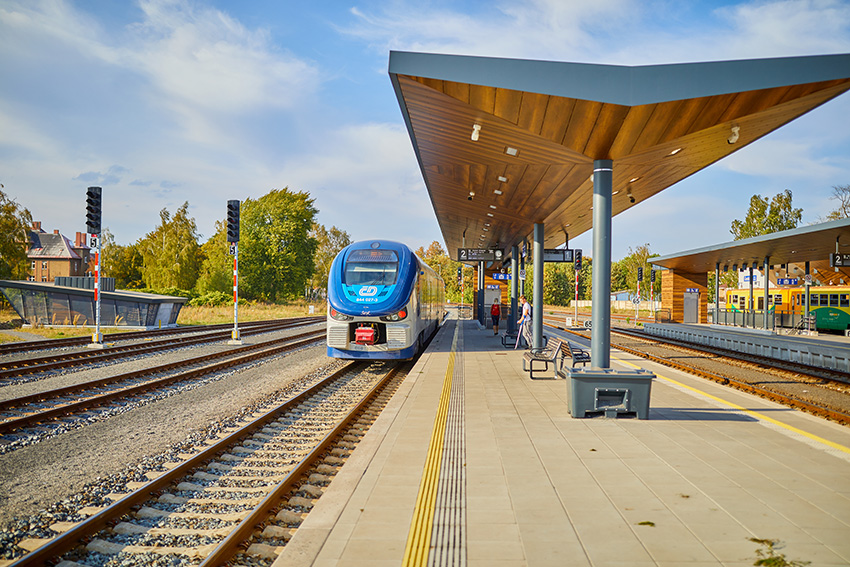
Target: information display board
{"points": [[557, 255], [479, 255]]}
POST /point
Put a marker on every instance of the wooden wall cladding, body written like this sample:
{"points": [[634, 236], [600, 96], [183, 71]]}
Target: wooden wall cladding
{"points": [[673, 287]]}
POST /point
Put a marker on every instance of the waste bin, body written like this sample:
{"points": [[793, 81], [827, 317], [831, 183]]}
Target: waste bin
{"points": [[609, 392]]}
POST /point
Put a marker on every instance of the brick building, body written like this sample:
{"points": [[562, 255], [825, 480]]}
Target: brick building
{"points": [[53, 255]]}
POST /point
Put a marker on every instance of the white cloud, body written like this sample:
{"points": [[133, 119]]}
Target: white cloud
{"points": [[781, 159]]}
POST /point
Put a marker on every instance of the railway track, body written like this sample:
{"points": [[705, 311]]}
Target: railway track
{"points": [[45, 344], [39, 409], [816, 391], [11, 368], [239, 499]]}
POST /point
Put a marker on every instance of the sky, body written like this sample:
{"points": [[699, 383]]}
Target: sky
{"points": [[163, 102]]}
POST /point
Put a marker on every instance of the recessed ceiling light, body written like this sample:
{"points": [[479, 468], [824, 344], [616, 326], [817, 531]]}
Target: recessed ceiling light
{"points": [[511, 151], [633, 179], [476, 128], [486, 224], [566, 225], [492, 206], [486, 229], [489, 214], [503, 179], [676, 151], [497, 192], [615, 192], [472, 193]]}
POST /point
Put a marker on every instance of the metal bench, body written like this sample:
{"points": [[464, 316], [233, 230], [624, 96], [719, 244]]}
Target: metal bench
{"points": [[547, 355], [578, 354], [509, 339]]}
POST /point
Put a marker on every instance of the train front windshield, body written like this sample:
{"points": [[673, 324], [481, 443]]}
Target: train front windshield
{"points": [[371, 267]]}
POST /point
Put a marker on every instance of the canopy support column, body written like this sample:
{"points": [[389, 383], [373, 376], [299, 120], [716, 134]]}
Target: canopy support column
{"points": [[766, 290], [600, 344], [514, 288], [537, 305]]}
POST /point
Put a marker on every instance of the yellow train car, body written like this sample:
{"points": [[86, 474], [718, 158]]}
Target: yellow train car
{"points": [[830, 305]]}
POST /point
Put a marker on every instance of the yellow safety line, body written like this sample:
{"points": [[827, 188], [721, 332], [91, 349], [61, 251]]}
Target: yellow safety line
{"points": [[419, 537], [750, 412]]}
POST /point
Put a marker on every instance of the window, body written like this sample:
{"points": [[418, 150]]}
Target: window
{"points": [[371, 267], [32, 265], [844, 300], [44, 265], [44, 278], [833, 300], [777, 299]]}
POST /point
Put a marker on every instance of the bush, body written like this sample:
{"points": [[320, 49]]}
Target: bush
{"points": [[212, 299]]}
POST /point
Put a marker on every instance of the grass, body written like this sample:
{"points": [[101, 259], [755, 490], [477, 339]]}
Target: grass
{"points": [[188, 316]]}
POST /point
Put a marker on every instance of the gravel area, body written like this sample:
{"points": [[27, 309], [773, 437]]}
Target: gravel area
{"points": [[820, 392], [34, 477]]}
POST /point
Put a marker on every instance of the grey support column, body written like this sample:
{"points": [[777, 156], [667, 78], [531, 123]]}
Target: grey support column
{"points": [[766, 289], [481, 315], [514, 288], [716, 293], [807, 293], [537, 305], [600, 345], [752, 309]]}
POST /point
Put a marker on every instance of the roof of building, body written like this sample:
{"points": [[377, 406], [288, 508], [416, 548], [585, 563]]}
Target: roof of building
{"points": [[47, 245], [812, 243], [659, 124]]}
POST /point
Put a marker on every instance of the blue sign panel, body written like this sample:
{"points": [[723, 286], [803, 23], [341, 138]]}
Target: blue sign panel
{"points": [[501, 276], [692, 290], [788, 281]]}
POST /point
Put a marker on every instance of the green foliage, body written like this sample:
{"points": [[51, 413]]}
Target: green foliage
{"points": [[766, 217], [171, 255], [172, 291], [441, 263], [840, 193], [329, 244], [124, 263], [15, 223], [627, 268], [769, 557], [559, 282], [212, 299], [217, 267], [275, 249]]}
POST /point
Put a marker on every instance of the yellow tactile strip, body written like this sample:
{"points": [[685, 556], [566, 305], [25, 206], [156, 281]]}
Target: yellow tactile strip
{"points": [[421, 527]]}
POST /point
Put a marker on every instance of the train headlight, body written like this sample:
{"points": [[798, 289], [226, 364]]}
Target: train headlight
{"points": [[397, 316], [336, 315]]}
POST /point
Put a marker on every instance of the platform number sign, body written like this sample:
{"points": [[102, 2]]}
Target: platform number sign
{"points": [[839, 260]]}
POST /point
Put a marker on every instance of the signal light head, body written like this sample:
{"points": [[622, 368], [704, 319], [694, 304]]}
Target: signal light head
{"points": [[93, 206], [233, 221]]}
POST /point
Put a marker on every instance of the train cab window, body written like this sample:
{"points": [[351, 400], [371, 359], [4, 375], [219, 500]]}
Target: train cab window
{"points": [[777, 299], [371, 267], [833, 300], [844, 300], [743, 302]]}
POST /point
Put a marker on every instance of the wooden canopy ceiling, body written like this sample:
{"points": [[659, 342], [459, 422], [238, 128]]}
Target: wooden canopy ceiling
{"points": [[560, 117]]}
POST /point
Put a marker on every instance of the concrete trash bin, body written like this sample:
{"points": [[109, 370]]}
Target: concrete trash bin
{"points": [[613, 393]]}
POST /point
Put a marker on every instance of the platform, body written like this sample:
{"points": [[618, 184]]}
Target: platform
{"points": [[519, 482], [823, 351]]}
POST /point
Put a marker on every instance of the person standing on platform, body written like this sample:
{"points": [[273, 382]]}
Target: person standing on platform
{"points": [[524, 323], [495, 313]]}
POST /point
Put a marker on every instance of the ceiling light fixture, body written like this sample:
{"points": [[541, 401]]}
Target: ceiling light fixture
{"points": [[489, 214], [497, 192], [633, 179], [476, 128], [629, 193], [733, 137], [511, 151], [615, 192], [503, 179], [676, 151], [493, 207]]}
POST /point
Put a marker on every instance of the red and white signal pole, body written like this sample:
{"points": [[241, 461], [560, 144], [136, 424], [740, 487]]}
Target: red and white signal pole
{"points": [[233, 239], [93, 213]]}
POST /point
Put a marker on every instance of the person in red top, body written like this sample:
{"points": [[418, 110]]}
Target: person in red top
{"points": [[495, 313]]}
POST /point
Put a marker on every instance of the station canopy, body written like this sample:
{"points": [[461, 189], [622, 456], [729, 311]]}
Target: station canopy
{"points": [[791, 248], [506, 143]]}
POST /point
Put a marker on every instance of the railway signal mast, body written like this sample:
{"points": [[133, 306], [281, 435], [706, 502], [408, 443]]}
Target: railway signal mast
{"points": [[93, 210], [233, 239]]}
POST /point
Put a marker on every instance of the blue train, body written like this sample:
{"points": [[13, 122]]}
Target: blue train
{"points": [[383, 302]]}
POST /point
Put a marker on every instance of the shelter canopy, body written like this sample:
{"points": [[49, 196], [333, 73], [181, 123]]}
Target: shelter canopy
{"points": [[813, 243], [659, 124]]}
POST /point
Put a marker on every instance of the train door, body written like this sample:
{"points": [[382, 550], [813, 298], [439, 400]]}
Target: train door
{"points": [[691, 305]]}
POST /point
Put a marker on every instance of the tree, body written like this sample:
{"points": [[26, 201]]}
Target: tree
{"points": [[124, 263], [217, 267], [766, 217], [15, 223], [840, 193], [628, 266], [276, 249], [328, 244], [171, 255]]}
